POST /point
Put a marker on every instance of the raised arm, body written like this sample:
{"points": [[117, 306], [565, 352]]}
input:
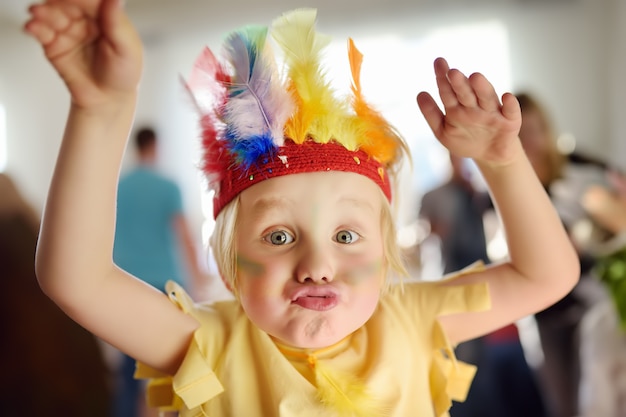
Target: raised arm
{"points": [[96, 51], [543, 265]]}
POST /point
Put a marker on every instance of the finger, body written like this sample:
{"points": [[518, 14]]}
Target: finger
{"points": [[446, 93], [80, 33], [69, 7], [462, 88], [49, 21], [40, 31], [86, 7], [51, 14], [485, 93], [510, 107], [432, 113]]}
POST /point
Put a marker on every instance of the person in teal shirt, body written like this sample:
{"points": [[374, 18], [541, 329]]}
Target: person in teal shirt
{"points": [[150, 227], [149, 206]]}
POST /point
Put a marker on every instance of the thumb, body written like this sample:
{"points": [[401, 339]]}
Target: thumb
{"points": [[114, 23]]}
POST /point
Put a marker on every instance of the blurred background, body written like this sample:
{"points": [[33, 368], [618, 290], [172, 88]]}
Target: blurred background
{"points": [[569, 54]]}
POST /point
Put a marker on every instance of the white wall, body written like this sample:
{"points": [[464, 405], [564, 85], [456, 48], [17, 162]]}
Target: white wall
{"points": [[568, 52], [616, 85], [36, 106]]}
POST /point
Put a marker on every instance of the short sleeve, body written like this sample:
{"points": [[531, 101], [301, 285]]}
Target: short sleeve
{"points": [[195, 383], [449, 378]]}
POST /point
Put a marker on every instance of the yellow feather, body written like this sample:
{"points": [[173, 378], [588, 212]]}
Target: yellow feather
{"points": [[319, 114], [345, 394]]}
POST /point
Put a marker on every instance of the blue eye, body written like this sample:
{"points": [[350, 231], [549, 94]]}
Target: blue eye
{"points": [[346, 236], [279, 237]]}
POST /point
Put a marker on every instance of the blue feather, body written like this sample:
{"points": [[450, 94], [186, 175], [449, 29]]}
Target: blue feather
{"points": [[252, 151], [258, 104]]}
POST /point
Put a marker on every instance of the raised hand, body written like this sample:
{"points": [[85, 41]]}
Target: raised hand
{"points": [[475, 123], [92, 45]]}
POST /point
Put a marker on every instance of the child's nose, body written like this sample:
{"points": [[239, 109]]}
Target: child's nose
{"points": [[315, 266]]}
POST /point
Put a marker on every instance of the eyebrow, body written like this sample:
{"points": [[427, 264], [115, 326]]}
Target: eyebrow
{"points": [[265, 205], [360, 203], [268, 204]]}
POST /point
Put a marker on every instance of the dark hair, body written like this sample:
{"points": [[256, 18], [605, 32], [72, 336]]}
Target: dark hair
{"points": [[144, 138]]}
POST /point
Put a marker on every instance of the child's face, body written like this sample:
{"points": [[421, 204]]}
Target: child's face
{"points": [[310, 255]]}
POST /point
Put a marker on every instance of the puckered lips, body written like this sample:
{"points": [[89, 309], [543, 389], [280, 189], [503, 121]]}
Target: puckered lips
{"points": [[316, 297]]}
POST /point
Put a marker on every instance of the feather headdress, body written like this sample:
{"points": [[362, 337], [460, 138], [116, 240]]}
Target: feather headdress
{"points": [[261, 122]]}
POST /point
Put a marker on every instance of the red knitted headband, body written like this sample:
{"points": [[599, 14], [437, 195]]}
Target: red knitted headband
{"points": [[295, 159]]}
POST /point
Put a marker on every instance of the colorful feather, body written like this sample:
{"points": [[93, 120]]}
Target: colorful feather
{"points": [[380, 139], [319, 114], [207, 81], [207, 91], [258, 104]]}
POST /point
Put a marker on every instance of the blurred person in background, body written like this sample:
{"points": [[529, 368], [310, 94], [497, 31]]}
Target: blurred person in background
{"points": [[504, 384], [153, 242], [454, 211], [603, 328], [51, 366], [558, 325]]}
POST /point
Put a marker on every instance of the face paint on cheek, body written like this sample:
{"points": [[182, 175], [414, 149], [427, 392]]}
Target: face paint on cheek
{"points": [[360, 271], [249, 267]]}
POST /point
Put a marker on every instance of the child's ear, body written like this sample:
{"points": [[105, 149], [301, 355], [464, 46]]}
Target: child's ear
{"points": [[226, 283]]}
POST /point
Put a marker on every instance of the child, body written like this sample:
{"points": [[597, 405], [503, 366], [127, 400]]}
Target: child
{"points": [[304, 236]]}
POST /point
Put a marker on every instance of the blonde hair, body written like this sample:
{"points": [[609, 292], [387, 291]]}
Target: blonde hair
{"points": [[223, 245], [552, 158]]}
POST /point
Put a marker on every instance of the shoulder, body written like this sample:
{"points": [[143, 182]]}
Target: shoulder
{"points": [[440, 297], [216, 319]]}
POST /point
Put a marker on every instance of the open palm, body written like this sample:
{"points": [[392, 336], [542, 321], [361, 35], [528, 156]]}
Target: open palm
{"points": [[475, 123]]}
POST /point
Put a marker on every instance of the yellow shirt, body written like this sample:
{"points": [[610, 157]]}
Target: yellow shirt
{"points": [[401, 357]]}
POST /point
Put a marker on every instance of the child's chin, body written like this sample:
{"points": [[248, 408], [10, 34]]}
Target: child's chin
{"points": [[305, 340]]}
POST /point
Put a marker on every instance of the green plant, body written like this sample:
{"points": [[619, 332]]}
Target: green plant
{"points": [[611, 269]]}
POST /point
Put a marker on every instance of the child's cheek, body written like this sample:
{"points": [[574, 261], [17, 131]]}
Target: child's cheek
{"points": [[250, 268], [256, 278], [360, 270]]}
